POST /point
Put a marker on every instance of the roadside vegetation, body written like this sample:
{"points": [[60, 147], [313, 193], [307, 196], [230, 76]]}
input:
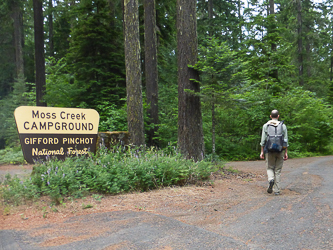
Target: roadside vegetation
{"points": [[107, 172], [11, 156]]}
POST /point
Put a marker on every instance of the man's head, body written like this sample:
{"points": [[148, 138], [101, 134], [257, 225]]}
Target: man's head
{"points": [[275, 114]]}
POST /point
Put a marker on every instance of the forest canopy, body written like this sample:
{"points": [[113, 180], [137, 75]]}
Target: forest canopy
{"points": [[250, 57]]}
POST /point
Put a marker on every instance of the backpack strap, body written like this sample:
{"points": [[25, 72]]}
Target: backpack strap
{"points": [[282, 126]]}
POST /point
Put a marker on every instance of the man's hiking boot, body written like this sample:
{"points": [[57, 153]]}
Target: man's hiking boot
{"points": [[270, 188]]}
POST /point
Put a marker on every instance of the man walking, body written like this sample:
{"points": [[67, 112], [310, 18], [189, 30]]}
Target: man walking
{"points": [[275, 154]]}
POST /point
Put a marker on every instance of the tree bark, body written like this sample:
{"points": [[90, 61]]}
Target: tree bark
{"points": [[300, 42], [210, 16], [133, 72], [210, 9], [50, 17], [39, 52], [213, 129], [111, 6], [331, 73], [240, 21], [307, 29], [274, 73], [151, 68], [190, 132], [18, 39], [331, 56]]}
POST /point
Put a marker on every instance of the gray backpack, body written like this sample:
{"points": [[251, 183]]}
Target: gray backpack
{"points": [[275, 138]]}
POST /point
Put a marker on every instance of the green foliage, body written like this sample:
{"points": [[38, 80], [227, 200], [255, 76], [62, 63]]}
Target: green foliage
{"points": [[309, 119], [112, 118], [60, 90], [18, 191], [167, 96], [225, 24], [7, 62], [112, 172], [96, 54], [11, 156], [222, 73], [18, 97], [84, 206], [221, 70]]}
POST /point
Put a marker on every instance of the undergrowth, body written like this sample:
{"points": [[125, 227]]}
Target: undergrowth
{"points": [[11, 156], [110, 172]]}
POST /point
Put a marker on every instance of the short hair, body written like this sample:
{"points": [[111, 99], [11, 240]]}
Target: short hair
{"points": [[275, 113]]}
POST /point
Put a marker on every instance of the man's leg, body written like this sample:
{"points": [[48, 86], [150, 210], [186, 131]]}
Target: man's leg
{"points": [[277, 172], [270, 166]]}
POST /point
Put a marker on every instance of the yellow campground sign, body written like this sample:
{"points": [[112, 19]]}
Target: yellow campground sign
{"points": [[56, 132]]}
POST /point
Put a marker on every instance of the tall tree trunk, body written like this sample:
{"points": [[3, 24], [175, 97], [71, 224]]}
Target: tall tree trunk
{"points": [[50, 17], [331, 73], [307, 29], [71, 6], [274, 73], [133, 72], [18, 39], [213, 129], [210, 16], [112, 8], [151, 68], [300, 42], [210, 9], [272, 12], [331, 56], [190, 132], [240, 21], [308, 54], [39, 52]]}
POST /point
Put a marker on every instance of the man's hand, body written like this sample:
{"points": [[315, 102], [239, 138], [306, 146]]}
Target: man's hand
{"points": [[262, 155], [285, 156]]}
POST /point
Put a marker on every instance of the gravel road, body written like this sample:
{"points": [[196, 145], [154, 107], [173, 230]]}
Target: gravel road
{"points": [[239, 215]]}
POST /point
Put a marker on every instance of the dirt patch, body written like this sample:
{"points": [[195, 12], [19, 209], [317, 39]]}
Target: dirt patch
{"points": [[16, 167], [18, 170]]}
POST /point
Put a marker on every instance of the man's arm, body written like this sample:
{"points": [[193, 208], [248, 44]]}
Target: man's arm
{"points": [[286, 138], [263, 141], [285, 155], [285, 134], [262, 153]]}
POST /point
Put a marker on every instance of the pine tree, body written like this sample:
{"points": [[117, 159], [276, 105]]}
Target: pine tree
{"points": [[96, 55], [190, 132], [151, 72], [39, 52], [133, 72]]}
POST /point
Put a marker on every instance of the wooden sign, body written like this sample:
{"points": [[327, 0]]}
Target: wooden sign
{"points": [[56, 132]]}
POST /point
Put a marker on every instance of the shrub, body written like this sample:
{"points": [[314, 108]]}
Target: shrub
{"points": [[18, 191], [112, 172], [11, 156]]}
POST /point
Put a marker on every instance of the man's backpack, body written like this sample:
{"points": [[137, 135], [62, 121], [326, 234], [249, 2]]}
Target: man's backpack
{"points": [[275, 138]]}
